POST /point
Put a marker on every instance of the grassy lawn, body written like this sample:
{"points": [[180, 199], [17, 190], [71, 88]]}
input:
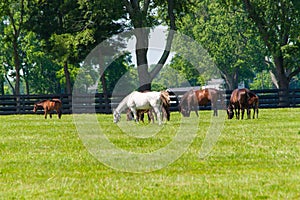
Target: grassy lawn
{"points": [[253, 159]]}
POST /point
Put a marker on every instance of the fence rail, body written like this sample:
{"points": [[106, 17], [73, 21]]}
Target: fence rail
{"points": [[23, 104]]}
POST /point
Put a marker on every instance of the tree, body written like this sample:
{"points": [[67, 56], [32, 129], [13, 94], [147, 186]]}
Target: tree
{"points": [[227, 35], [141, 16], [72, 28], [278, 24], [14, 13]]}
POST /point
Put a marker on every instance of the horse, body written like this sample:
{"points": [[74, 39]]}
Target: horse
{"points": [[48, 106], [140, 115], [165, 110], [188, 103], [238, 101], [192, 99], [253, 102], [140, 101]]}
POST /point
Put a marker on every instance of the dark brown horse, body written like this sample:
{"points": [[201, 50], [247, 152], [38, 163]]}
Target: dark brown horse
{"points": [[238, 102], [48, 106], [140, 115], [253, 102], [192, 99]]}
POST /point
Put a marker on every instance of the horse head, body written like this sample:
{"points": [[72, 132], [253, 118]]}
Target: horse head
{"points": [[184, 111], [117, 116], [35, 108], [230, 112]]}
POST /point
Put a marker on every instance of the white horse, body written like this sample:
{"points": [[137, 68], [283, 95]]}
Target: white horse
{"points": [[140, 101]]}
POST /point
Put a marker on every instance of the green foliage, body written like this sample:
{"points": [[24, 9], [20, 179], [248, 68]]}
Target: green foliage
{"points": [[52, 33], [262, 80], [120, 69], [278, 25], [253, 159], [228, 36], [169, 78]]}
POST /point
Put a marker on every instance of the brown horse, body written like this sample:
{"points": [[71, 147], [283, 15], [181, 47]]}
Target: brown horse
{"points": [[192, 99], [140, 115], [188, 103], [238, 102], [48, 106], [253, 102]]}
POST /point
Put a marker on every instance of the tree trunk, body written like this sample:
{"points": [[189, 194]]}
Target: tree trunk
{"points": [[231, 80], [25, 76], [2, 86], [17, 66], [103, 82], [137, 14], [283, 82], [68, 79], [17, 69], [141, 49]]}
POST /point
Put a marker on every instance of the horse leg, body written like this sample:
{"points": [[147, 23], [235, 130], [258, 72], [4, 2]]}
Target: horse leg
{"points": [[249, 113], [150, 116], [195, 108], [243, 111], [196, 111], [257, 113], [158, 114], [140, 116], [133, 110], [215, 112], [213, 105], [58, 113], [237, 112], [45, 114]]}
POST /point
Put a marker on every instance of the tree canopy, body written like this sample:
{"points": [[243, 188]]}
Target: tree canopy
{"points": [[43, 43]]}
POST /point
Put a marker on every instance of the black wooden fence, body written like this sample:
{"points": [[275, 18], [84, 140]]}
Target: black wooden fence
{"points": [[23, 104]]}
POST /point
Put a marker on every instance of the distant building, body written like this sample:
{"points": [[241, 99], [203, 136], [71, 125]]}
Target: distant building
{"points": [[215, 83]]}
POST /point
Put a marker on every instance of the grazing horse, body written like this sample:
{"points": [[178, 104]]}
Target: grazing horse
{"points": [[48, 106], [238, 101], [253, 102], [192, 99], [188, 103], [165, 110], [140, 101], [140, 115]]}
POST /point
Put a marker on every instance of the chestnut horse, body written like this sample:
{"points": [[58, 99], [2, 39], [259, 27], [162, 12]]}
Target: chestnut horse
{"points": [[253, 102], [192, 99], [238, 102], [48, 106]]}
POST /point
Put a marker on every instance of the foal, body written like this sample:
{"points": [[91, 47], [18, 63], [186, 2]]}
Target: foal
{"points": [[253, 102], [48, 106]]}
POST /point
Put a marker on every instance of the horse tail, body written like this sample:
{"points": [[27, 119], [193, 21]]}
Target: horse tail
{"points": [[164, 96]]}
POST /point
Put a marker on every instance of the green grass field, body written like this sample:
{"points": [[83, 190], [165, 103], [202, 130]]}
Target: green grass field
{"points": [[253, 159]]}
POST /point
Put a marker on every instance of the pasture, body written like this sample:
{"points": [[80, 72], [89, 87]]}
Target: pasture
{"points": [[253, 159]]}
